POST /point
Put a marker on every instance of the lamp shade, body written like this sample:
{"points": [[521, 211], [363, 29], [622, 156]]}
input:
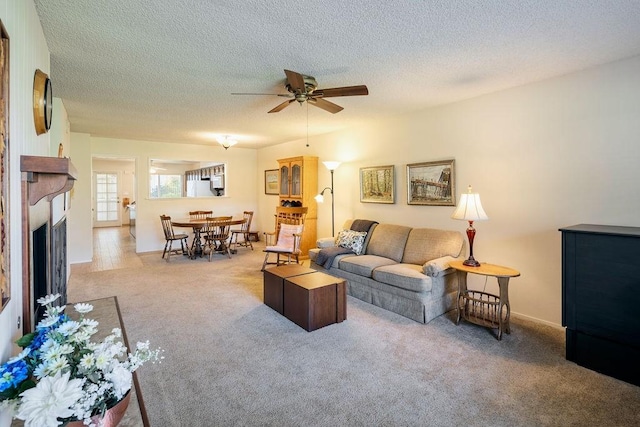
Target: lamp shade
{"points": [[227, 142], [331, 165], [470, 208]]}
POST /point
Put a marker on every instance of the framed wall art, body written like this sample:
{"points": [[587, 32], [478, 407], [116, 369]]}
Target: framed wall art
{"points": [[271, 181], [377, 184], [5, 283], [431, 183]]}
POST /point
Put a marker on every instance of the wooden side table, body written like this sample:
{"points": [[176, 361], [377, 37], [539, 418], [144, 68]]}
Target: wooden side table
{"points": [[483, 308]]}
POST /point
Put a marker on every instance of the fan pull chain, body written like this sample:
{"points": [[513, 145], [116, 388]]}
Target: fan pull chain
{"points": [[307, 122]]}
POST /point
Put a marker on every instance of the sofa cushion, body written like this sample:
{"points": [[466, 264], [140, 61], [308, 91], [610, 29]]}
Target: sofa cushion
{"points": [[388, 241], [425, 244], [405, 276], [438, 267], [350, 239], [363, 265], [325, 242]]}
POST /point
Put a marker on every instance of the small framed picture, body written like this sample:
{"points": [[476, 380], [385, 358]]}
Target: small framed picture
{"points": [[271, 181], [431, 183], [377, 184]]}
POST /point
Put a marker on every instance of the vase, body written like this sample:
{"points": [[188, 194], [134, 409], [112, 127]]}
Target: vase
{"points": [[111, 417]]}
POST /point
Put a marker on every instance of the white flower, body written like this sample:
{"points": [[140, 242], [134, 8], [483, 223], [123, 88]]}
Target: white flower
{"points": [[49, 400], [24, 353], [48, 299], [53, 352], [90, 323], [54, 311], [121, 379], [48, 345], [102, 361], [57, 364], [117, 332], [68, 328], [40, 371], [87, 361], [48, 321], [83, 308]]}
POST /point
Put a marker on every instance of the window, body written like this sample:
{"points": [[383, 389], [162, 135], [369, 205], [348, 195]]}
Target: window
{"points": [[165, 186]]}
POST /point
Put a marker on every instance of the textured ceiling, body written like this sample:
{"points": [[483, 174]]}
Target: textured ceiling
{"points": [[164, 70]]}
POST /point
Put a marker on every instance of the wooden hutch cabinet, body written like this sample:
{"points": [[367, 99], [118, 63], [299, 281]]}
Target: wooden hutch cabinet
{"points": [[298, 184]]}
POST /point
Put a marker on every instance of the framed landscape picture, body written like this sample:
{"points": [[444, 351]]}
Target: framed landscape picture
{"points": [[431, 183], [377, 184], [5, 283], [271, 181]]}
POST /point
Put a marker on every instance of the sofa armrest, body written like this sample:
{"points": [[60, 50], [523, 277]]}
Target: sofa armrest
{"points": [[325, 242], [438, 266]]}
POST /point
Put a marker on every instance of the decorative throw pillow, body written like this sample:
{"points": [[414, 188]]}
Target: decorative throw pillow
{"points": [[353, 240], [285, 238]]}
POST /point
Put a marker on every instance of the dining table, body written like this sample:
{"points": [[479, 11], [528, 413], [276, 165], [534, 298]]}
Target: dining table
{"points": [[197, 224]]}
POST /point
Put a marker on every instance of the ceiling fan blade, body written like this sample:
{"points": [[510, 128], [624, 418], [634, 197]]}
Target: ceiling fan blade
{"points": [[296, 81], [286, 95], [325, 105], [282, 106], [341, 91]]}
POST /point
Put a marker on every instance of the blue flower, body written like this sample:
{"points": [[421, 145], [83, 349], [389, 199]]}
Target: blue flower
{"points": [[12, 374]]}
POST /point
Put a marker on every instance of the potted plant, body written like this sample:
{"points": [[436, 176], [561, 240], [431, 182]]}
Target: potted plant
{"points": [[62, 376]]}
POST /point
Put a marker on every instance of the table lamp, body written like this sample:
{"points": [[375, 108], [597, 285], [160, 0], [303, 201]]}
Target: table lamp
{"points": [[470, 209]]}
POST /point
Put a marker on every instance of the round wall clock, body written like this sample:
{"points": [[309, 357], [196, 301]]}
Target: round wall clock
{"points": [[42, 102]]}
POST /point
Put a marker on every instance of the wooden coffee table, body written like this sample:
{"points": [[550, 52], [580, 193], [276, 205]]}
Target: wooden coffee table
{"points": [[313, 301], [274, 283]]}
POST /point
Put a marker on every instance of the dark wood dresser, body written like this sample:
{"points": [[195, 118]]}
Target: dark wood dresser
{"points": [[601, 298]]}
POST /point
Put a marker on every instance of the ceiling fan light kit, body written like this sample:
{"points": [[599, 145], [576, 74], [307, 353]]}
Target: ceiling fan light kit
{"points": [[227, 142], [303, 88]]}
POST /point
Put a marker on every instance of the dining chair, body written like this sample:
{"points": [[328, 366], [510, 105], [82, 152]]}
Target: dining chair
{"points": [[244, 231], [170, 236], [198, 215], [217, 235], [287, 236]]}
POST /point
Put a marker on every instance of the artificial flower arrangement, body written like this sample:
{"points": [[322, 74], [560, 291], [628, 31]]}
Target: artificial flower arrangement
{"points": [[62, 376]]}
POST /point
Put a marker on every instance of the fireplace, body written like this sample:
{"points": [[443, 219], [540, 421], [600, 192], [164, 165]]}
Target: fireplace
{"points": [[49, 261], [40, 262], [59, 260], [44, 249]]}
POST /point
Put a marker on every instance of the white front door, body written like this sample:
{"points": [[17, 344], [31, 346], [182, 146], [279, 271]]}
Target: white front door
{"points": [[106, 200]]}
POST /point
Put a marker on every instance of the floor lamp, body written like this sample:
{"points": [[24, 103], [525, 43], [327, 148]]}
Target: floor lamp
{"points": [[470, 209], [320, 197]]}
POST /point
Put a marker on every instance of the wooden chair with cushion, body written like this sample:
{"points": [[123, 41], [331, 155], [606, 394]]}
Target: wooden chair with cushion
{"points": [[287, 237], [216, 235], [244, 231], [170, 237]]}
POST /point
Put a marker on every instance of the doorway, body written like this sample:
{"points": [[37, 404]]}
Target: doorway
{"points": [[106, 198]]}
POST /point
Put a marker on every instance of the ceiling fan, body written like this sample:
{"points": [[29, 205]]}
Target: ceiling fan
{"points": [[304, 88]]}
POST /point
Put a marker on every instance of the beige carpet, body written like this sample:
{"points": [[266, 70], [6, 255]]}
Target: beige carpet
{"points": [[231, 360]]}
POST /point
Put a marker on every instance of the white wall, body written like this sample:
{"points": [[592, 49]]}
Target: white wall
{"points": [[28, 51], [80, 248], [542, 156]]}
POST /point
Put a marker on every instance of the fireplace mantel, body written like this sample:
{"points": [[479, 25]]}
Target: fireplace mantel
{"points": [[47, 176], [41, 177]]}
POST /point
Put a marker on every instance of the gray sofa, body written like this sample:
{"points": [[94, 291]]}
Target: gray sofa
{"points": [[402, 269]]}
